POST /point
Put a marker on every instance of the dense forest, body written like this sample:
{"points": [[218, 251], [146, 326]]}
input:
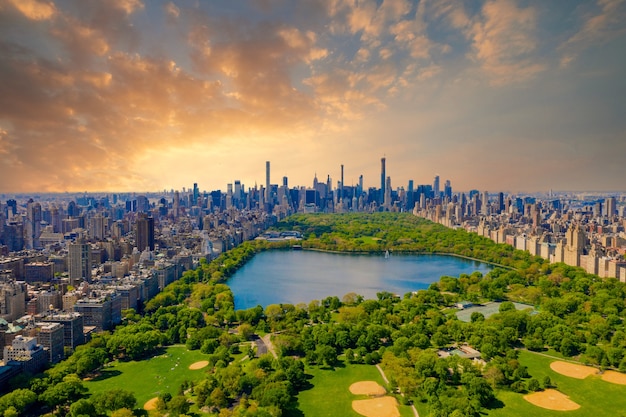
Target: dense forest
{"points": [[576, 314]]}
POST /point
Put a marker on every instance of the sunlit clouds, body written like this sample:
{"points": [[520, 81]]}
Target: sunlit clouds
{"points": [[148, 95]]}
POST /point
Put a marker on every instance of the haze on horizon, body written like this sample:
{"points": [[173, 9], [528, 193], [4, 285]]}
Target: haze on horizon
{"points": [[129, 95]]}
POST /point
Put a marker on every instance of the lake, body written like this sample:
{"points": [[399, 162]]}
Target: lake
{"points": [[292, 277]]}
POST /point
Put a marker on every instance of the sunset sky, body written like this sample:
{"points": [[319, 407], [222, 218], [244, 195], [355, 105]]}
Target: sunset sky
{"points": [[131, 95]]}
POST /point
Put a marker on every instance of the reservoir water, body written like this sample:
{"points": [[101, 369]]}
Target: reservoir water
{"points": [[292, 277]]}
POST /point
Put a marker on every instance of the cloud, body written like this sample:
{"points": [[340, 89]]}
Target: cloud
{"points": [[603, 24], [34, 9], [121, 92], [171, 10], [503, 40]]}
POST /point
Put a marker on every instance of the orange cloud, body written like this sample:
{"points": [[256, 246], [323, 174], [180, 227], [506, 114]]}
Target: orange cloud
{"points": [[503, 38], [34, 9]]}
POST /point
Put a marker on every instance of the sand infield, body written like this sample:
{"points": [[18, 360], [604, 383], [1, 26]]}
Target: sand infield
{"points": [[367, 388], [614, 377], [151, 404], [198, 365], [552, 399], [377, 407], [380, 405], [572, 370]]}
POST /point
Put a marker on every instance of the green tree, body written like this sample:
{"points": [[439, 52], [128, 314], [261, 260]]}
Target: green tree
{"points": [[122, 412], [65, 392], [20, 400], [547, 382], [82, 408], [178, 405], [114, 399], [533, 385]]}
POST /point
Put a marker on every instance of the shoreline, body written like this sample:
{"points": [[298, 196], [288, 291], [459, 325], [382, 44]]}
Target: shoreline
{"points": [[510, 268]]}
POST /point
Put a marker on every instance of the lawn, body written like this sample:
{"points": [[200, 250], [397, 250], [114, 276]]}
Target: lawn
{"points": [[330, 395], [148, 378], [595, 396]]}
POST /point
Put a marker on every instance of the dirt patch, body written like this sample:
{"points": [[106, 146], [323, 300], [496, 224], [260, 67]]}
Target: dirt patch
{"points": [[151, 404], [614, 377], [572, 370], [552, 399], [377, 407], [198, 365], [367, 388]]}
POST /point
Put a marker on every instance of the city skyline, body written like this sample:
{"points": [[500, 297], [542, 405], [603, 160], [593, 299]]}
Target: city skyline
{"points": [[128, 95]]}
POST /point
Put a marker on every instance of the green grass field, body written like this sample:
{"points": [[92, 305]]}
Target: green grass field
{"points": [[596, 397], [330, 395], [149, 378]]}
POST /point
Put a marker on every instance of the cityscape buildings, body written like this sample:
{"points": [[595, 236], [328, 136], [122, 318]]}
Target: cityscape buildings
{"points": [[70, 263]]}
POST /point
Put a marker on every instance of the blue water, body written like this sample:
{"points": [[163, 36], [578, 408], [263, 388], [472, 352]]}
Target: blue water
{"points": [[292, 277]]}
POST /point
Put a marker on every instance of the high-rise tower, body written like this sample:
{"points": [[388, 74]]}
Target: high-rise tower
{"points": [[341, 189], [145, 233], [79, 260], [267, 182], [436, 186], [32, 227], [610, 206], [383, 177]]}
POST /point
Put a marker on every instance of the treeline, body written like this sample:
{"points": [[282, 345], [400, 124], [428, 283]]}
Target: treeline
{"points": [[399, 232], [578, 315]]}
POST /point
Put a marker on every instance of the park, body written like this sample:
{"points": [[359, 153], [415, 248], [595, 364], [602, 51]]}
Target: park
{"points": [[323, 347]]}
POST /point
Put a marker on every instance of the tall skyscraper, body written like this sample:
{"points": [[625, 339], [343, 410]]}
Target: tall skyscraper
{"points": [[32, 227], [144, 233], [196, 193], [611, 206], [267, 182], [360, 190], [79, 259], [97, 227], [383, 178], [436, 186], [387, 201], [447, 189], [485, 203], [341, 189], [176, 204]]}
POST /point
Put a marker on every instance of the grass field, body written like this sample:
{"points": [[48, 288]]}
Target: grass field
{"points": [[596, 397], [330, 395], [148, 378]]}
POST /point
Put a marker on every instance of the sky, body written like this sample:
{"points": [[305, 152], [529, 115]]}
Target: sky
{"points": [[132, 95]]}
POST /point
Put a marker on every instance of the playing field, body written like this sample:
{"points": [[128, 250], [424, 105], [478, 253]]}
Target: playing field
{"points": [[151, 377], [595, 396], [331, 396]]}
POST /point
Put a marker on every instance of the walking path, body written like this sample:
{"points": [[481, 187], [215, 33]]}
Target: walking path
{"points": [[382, 373], [267, 340]]}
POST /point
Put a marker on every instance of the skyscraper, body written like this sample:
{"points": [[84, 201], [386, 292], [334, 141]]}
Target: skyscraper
{"points": [[436, 186], [341, 189], [447, 189], [79, 262], [32, 227], [144, 233], [267, 182], [176, 204], [485, 203], [383, 177], [610, 206], [196, 193]]}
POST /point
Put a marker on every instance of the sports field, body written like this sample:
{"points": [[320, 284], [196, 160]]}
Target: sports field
{"points": [[149, 378], [595, 396], [331, 396]]}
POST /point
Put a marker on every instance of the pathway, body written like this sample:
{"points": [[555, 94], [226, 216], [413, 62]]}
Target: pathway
{"points": [[267, 341], [382, 373]]}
